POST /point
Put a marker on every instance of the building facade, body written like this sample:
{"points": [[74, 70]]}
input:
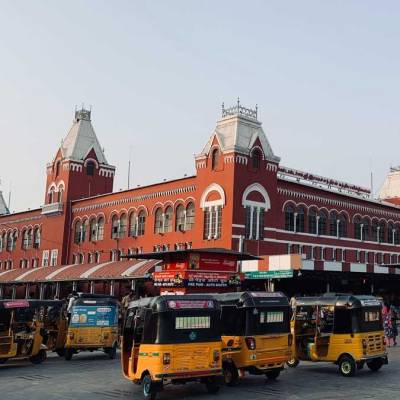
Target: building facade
{"points": [[240, 198]]}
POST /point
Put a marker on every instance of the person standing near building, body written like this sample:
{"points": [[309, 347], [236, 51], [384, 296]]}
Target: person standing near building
{"points": [[127, 299], [387, 323]]}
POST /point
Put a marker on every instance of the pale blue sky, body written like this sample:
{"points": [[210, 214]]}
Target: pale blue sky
{"points": [[325, 76]]}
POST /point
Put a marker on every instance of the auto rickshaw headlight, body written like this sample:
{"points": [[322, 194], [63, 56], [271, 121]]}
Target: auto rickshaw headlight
{"points": [[216, 355], [251, 343], [166, 358]]}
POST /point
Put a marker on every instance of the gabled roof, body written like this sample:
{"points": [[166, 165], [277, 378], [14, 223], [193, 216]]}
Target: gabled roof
{"points": [[3, 206], [81, 139], [239, 132]]}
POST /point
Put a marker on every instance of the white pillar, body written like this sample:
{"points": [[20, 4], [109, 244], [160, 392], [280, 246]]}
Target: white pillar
{"points": [[295, 222], [251, 222], [317, 224], [362, 231], [91, 287], [258, 223], [210, 212], [216, 223], [57, 295], [337, 227], [74, 286], [112, 288], [393, 230], [41, 292], [14, 292], [27, 291]]}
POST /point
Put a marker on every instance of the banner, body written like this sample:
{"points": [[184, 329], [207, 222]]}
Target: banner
{"points": [[85, 316]]}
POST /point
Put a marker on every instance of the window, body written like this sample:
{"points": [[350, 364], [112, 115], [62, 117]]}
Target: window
{"points": [[97, 257], [168, 217], [93, 230], [374, 231], [2, 242], [300, 220], [381, 232], [12, 240], [342, 225], [141, 223], [389, 237], [180, 218], [371, 316], [289, 218], [123, 224], [322, 223], [357, 229], [358, 256], [254, 222], [25, 240], [214, 159], [53, 258], [133, 226], [194, 322], [256, 159], [85, 226], [333, 231], [312, 221], [78, 232], [45, 258], [396, 235], [51, 195], [100, 228], [58, 163], [115, 225], [189, 217], [36, 238], [365, 232], [90, 166], [158, 221], [212, 222], [60, 193]]}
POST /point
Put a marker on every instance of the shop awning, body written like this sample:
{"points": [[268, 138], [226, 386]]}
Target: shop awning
{"points": [[112, 270]]}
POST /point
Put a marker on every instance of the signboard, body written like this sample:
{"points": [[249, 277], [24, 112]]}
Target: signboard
{"points": [[187, 304], [84, 316], [269, 274], [16, 304], [196, 279]]}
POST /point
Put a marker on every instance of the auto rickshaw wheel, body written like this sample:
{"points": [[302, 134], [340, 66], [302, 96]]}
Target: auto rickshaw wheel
{"points": [[60, 352], [347, 366], [212, 385], [39, 357], [375, 364], [149, 391], [111, 352], [292, 363], [68, 353], [273, 374], [231, 374]]}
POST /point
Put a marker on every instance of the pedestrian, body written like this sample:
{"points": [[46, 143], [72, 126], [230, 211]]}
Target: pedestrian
{"points": [[387, 323], [394, 317], [71, 299], [127, 299]]}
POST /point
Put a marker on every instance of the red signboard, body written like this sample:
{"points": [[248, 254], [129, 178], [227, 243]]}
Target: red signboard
{"points": [[16, 304]]}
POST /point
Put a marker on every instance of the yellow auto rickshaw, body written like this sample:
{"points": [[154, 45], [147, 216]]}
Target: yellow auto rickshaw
{"points": [[172, 339], [344, 329], [256, 338], [22, 333], [93, 325]]}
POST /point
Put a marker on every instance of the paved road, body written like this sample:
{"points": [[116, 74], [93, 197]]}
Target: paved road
{"points": [[91, 376]]}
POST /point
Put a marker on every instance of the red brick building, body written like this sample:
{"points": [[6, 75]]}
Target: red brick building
{"points": [[240, 198]]}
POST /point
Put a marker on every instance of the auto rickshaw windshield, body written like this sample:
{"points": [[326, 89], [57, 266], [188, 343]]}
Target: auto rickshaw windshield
{"points": [[262, 321]]}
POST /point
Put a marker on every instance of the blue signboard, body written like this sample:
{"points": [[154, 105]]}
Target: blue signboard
{"points": [[89, 316]]}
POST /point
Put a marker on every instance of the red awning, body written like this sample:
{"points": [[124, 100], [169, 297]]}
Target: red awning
{"points": [[132, 269]]}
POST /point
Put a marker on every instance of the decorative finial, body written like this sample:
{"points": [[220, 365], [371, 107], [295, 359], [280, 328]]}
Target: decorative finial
{"points": [[238, 102]]}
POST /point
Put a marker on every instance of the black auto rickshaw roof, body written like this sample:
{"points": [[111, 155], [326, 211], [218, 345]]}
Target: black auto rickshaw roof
{"points": [[29, 303], [176, 302], [253, 299], [339, 300]]}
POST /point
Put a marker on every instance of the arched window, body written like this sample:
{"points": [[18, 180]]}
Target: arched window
{"points": [[214, 159], [168, 217], [25, 239], [158, 221], [300, 220], [93, 230], [389, 236], [396, 235], [60, 193], [141, 223], [115, 225], [133, 226], [381, 232], [51, 195], [342, 226], [85, 226], [100, 228], [289, 218], [189, 217], [357, 228], [180, 218], [78, 232], [374, 231], [365, 229], [58, 164], [123, 225], [333, 225], [2, 242], [36, 238], [322, 223], [256, 159], [90, 166], [312, 221]]}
